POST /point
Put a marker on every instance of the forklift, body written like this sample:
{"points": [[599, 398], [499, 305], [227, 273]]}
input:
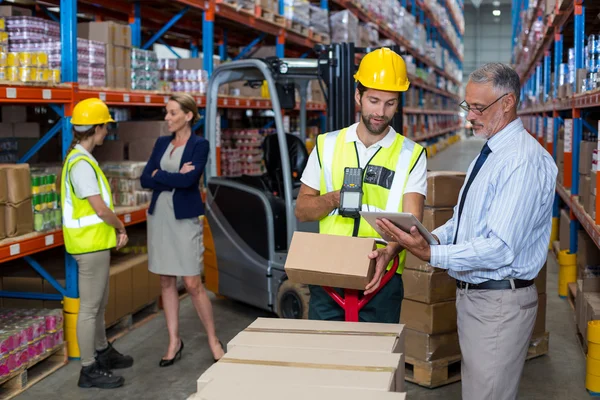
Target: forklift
{"points": [[250, 220]]}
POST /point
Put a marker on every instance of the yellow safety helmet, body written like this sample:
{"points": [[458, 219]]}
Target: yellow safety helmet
{"points": [[383, 69], [91, 112]]}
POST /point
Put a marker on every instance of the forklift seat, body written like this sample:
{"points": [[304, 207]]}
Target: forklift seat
{"points": [[298, 156]]}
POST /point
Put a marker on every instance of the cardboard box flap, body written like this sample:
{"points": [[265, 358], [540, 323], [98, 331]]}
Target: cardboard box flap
{"points": [[225, 389], [339, 327], [382, 344], [263, 375], [330, 260]]}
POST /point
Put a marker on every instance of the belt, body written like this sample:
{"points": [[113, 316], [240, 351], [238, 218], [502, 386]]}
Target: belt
{"points": [[495, 285]]}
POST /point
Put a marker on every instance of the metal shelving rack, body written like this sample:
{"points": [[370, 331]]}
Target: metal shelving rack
{"points": [[220, 27], [564, 27]]}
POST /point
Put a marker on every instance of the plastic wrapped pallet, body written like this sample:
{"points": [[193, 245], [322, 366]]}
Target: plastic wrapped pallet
{"points": [[344, 27], [319, 19], [123, 169], [297, 11], [145, 72]]}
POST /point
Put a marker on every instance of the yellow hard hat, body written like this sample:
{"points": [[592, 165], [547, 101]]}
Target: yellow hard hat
{"points": [[383, 69], [91, 112]]}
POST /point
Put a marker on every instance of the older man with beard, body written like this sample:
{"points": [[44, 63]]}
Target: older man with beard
{"points": [[394, 178], [496, 243]]}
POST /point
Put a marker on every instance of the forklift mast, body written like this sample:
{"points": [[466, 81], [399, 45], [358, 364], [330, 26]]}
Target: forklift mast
{"points": [[337, 66]]}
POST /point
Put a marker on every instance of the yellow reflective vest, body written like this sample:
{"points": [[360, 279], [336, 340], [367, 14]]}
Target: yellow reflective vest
{"points": [[385, 178], [83, 230]]}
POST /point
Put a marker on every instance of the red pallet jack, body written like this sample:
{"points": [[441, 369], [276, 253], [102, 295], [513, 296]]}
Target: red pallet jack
{"points": [[351, 303]]}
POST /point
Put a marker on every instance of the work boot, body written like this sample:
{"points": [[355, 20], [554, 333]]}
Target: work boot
{"points": [[96, 375], [110, 358]]}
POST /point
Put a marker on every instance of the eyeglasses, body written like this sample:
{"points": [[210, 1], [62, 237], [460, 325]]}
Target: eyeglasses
{"points": [[478, 110]]}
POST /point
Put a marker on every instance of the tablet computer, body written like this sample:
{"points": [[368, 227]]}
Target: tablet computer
{"points": [[404, 221]]}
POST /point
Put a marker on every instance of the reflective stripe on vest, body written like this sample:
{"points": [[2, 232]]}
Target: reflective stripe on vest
{"points": [[83, 230], [378, 195]]}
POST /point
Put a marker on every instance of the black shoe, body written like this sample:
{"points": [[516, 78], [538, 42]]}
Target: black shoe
{"points": [[96, 375], [168, 363], [110, 358]]}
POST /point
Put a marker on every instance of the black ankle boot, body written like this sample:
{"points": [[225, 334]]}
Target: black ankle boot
{"points": [[110, 358], [96, 375]]}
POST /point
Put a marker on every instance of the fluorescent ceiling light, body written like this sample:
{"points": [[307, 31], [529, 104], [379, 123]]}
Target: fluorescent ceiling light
{"points": [[496, 13], [496, 3]]}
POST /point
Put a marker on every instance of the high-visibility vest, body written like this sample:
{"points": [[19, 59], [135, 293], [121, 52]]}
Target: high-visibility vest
{"points": [[83, 230], [384, 180]]}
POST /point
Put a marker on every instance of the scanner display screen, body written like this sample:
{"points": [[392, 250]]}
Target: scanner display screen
{"points": [[351, 200]]}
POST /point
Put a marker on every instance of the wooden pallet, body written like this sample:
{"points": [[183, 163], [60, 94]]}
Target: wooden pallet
{"points": [[33, 372], [271, 16], [296, 27], [432, 374], [571, 294]]}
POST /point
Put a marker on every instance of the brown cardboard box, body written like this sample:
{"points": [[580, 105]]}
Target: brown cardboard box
{"points": [[329, 327], [22, 279], [27, 130], [111, 78], [337, 261], [140, 288], [322, 359], [12, 114], [154, 289], [246, 374], [427, 284], [435, 217], [541, 279], [584, 190], [123, 283], [540, 319], [140, 150], [586, 155], [317, 341], [118, 56], [592, 308], [110, 314], [588, 253], [564, 230], [580, 76], [18, 180], [122, 78], [106, 32], [222, 388], [121, 35], [429, 318], [12, 11], [19, 218], [6, 130], [3, 186], [425, 347], [560, 148], [111, 150], [131, 131], [197, 63], [3, 233], [579, 299], [443, 188]]}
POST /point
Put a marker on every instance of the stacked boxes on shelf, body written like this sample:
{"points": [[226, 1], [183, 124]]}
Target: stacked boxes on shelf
{"points": [[241, 152], [45, 187], [297, 11], [344, 27], [428, 309], [319, 20], [91, 61], [30, 42], [124, 180], [310, 356], [117, 41], [144, 70], [15, 200], [27, 335]]}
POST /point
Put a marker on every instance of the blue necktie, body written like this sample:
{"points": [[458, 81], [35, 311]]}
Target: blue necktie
{"points": [[480, 160]]}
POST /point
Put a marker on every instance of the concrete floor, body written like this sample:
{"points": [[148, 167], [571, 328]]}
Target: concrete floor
{"points": [[558, 375]]}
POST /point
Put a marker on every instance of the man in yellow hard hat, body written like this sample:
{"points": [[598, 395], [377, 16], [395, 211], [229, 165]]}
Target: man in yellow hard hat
{"points": [[394, 179]]}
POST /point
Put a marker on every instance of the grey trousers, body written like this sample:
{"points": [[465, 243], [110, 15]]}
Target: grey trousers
{"points": [[93, 297], [494, 331]]}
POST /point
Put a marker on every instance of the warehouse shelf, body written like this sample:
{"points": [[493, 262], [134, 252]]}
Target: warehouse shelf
{"points": [[583, 100], [438, 26], [529, 26], [438, 133], [35, 242], [418, 82], [410, 110], [586, 220], [457, 22], [16, 93], [367, 16]]}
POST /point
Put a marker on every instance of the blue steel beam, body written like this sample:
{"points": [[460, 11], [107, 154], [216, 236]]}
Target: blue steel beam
{"points": [[40, 143], [68, 39], [557, 62], [194, 50], [31, 296], [44, 274], [547, 75], [165, 28], [223, 47], [208, 34], [136, 26], [172, 50], [325, 4], [281, 7], [49, 14], [589, 127], [57, 109], [71, 277], [250, 46]]}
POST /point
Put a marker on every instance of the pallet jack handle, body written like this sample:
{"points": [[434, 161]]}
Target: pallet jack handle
{"points": [[351, 303]]}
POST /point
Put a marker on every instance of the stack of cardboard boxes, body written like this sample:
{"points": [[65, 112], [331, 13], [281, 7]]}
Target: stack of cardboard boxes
{"points": [[323, 359], [587, 177], [15, 200], [135, 141], [117, 38], [587, 300]]}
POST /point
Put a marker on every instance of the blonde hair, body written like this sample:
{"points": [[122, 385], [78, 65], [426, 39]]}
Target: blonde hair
{"points": [[187, 104]]}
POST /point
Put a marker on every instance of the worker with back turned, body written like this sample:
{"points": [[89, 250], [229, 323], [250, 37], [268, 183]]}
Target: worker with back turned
{"points": [[394, 179]]}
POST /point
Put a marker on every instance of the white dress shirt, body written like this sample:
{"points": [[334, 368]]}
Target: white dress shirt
{"points": [[507, 215]]}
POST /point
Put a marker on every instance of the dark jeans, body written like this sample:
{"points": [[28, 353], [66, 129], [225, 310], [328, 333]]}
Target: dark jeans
{"points": [[384, 307]]}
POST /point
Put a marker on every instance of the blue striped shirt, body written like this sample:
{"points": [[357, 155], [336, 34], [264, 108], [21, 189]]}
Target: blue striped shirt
{"points": [[507, 216]]}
